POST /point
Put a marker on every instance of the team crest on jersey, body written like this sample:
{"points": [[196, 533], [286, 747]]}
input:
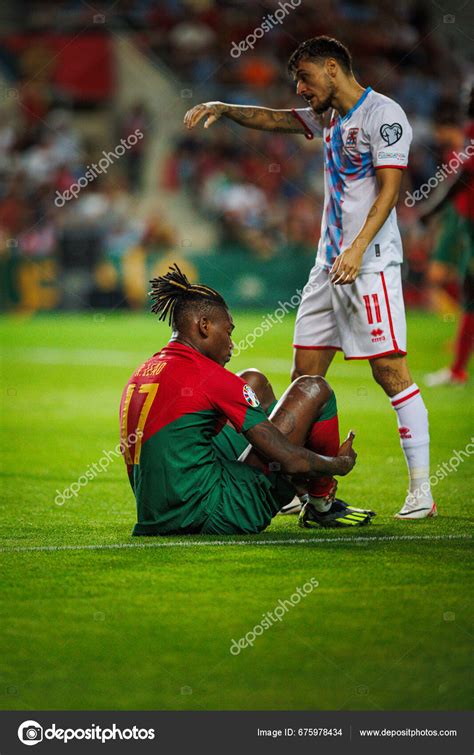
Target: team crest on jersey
{"points": [[250, 397], [391, 133], [351, 140]]}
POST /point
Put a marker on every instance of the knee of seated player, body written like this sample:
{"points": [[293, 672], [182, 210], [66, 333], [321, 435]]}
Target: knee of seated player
{"points": [[260, 384], [314, 387]]}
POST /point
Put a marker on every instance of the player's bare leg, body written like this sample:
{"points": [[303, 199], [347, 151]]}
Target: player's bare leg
{"points": [[264, 391], [311, 362], [392, 373], [297, 410], [262, 387], [300, 416], [457, 374]]}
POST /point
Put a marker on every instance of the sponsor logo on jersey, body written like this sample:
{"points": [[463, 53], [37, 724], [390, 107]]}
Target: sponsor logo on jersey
{"points": [[250, 397], [391, 133], [384, 154], [405, 432], [351, 140], [377, 335]]}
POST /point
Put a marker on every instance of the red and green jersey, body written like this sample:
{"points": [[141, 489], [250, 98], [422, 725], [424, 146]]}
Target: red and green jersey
{"points": [[171, 408]]}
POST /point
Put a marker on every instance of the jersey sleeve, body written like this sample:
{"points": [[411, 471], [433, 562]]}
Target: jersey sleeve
{"points": [[389, 136], [311, 122], [236, 401]]}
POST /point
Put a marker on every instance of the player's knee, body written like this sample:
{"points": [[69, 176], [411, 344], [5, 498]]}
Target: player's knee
{"points": [[391, 373], [260, 384], [314, 386], [255, 378], [382, 374]]}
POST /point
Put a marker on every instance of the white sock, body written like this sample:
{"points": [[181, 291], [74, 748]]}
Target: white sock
{"points": [[415, 439], [320, 504]]}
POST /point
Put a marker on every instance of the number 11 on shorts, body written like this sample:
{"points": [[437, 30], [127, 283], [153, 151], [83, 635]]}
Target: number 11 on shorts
{"points": [[368, 308]]}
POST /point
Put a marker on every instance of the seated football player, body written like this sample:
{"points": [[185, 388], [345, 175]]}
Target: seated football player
{"points": [[205, 452]]}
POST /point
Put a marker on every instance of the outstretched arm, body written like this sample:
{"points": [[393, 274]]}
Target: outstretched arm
{"points": [[267, 439], [261, 118]]}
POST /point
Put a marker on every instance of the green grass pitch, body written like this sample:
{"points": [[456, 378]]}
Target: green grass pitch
{"points": [[151, 628]]}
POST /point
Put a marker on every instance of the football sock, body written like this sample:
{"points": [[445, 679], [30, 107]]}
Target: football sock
{"points": [[464, 345], [320, 504], [414, 438], [324, 439]]}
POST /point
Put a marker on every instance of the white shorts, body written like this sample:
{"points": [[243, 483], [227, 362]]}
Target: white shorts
{"points": [[365, 319]]}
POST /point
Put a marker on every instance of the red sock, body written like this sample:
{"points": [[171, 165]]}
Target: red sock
{"points": [[323, 439], [464, 345]]}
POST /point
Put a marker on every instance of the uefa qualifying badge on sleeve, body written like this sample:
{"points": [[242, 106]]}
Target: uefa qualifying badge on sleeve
{"points": [[250, 396]]}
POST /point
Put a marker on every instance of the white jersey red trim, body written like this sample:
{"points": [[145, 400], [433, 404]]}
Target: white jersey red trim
{"points": [[374, 134]]}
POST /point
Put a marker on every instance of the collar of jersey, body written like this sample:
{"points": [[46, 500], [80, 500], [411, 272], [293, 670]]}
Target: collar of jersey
{"points": [[358, 104], [177, 346]]}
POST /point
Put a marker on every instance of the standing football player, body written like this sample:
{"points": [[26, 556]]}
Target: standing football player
{"points": [[355, 300]]}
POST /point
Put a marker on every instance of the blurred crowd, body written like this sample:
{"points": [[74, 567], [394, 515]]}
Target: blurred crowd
{"points": [[65, 238], [263, 191]]}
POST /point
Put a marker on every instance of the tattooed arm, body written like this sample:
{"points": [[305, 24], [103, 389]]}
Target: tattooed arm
{"points": [[267, 439], [261, 118]]}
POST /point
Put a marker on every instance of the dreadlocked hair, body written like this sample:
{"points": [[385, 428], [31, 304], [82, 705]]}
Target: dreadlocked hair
{"points": [[171, 293]]}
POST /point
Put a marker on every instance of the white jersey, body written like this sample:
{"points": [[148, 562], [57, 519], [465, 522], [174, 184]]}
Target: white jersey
{"points": [[375, 133]]}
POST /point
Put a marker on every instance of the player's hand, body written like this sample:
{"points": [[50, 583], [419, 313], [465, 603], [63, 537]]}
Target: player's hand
{"points": [[346, 266], [213, 111], [346, 454]]}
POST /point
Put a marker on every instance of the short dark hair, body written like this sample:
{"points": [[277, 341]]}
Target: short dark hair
{"points": [[174, 297], [321, 48]]}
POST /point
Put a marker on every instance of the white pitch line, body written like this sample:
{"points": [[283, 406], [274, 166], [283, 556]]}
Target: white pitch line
{"points": [[213, 543]]}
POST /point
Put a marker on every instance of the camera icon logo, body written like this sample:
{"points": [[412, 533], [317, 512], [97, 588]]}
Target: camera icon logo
{"points": [[30, 733]]}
